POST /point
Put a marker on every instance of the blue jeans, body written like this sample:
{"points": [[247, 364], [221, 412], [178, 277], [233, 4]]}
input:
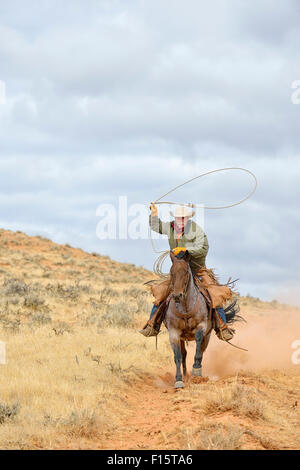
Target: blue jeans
{"points": [[154, 309], [221, 313]]}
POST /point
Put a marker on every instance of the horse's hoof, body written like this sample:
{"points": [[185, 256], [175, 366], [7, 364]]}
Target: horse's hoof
{"points": [[179, 384], [197, 372]]}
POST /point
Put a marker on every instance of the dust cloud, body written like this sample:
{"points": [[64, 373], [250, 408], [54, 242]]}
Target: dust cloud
{"points": [[269, 342]]}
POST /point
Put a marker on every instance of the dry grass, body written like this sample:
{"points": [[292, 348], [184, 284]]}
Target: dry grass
{"points": [[74, 360], [213, 437], [71, 344], [239, 399], [69, 385]]}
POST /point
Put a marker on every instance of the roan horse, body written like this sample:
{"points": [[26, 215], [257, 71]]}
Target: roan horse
{"points": [[187, 317]]}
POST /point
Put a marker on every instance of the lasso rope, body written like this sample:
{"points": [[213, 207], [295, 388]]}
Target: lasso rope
{"points": [[158, 201], [157, 267]]}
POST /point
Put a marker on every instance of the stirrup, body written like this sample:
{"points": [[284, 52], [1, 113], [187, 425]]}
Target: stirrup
{"points": [[225, 334], [149, 330]]}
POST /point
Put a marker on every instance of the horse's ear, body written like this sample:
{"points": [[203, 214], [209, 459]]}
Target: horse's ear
{"points": [[172, 256], [187, 255]]}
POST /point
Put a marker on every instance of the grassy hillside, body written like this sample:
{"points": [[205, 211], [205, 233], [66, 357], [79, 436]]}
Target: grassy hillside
{"points": [[79, 375]]}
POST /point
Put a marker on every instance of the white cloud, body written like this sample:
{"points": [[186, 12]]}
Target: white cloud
{"points": [[106, 98]]}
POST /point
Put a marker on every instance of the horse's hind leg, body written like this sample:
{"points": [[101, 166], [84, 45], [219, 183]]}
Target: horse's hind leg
{"points": [[183, 353], [197, 369], [205, 342]]}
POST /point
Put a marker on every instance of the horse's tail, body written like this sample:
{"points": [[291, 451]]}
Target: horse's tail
{"points": [[231, 313]]}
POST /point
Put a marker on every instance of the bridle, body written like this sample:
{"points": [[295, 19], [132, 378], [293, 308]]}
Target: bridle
{"points": [[187, 315], [186, 284]]}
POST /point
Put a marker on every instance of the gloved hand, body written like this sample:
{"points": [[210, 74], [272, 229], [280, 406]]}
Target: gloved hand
{"points": [[153, 208], [178, 249]]}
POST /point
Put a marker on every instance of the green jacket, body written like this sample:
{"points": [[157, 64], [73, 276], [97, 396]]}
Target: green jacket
{"points": [[193, 239]]}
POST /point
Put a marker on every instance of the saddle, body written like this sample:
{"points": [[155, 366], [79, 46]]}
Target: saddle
{"points": [[206, 282], [218, 293], [214, 294], [163, 297]]}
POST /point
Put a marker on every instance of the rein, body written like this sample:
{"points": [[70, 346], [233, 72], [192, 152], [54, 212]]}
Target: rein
{"points": [[183, 315], [187, 315]]}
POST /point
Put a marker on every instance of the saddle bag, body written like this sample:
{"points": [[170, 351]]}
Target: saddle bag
{"points": [[218, 293], [160, 291]]}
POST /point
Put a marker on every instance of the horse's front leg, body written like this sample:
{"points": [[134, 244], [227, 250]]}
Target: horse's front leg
{"points": [[197, 367], [183, 353], [175, 343]]}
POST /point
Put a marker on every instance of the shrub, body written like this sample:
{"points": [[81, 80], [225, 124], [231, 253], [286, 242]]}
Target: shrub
{"points": [[80, 423], [15, 287], [135, 292], [11, 324], [39, 319], [108, 293], [35, 302], [61, 327], [117, 315], [220, 439], [71, 292], [8, 411], [241, 400]]}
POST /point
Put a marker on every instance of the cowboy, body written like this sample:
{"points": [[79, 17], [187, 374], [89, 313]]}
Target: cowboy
{"points": [[184, 234]]}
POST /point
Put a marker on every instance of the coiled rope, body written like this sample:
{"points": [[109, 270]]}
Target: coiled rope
{"points": [[157, 267]]}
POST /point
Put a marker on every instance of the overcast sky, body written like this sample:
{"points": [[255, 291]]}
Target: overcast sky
{"points": [[131, 97]]}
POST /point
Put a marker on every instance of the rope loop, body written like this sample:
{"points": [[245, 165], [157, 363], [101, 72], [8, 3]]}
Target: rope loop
{"points": [[157, 268], [158, 201]]}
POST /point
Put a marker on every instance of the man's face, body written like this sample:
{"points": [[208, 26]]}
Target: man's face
{"points": [[181, 221]]}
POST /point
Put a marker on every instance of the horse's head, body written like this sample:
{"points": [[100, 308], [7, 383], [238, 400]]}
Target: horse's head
{"points": [[180, 274]]}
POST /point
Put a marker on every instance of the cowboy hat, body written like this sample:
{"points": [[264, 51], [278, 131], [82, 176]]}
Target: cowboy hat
{"points": [[182, 211]]}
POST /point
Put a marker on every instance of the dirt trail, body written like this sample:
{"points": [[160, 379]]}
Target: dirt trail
{"points": [[161, 418], [152, 415], [124, 407]]}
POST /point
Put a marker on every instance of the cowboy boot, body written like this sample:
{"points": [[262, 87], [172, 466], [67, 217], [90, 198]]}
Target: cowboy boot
{"points": [[223, 332], [152, 327], [150, 330]]}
